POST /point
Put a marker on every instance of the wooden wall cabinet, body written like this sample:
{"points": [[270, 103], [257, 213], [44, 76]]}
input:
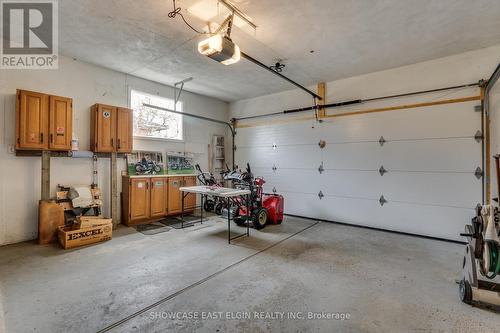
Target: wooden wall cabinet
{"points": [[60, 122], [146, 199], [111, 129], [141, 204], [43, 122], [174, 195], [159, 194]]}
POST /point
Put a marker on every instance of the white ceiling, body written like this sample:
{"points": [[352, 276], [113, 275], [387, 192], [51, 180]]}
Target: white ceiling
{"points": [[349, 37]]}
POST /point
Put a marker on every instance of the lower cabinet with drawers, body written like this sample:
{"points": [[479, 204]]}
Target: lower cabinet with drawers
{"points": [[150, 198]]}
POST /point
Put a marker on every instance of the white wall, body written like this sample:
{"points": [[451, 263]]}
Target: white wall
{"points": [[87, 85], [436, 196]]}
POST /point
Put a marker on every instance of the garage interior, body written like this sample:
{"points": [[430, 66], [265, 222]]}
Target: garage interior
{"points": [[250, 166]]}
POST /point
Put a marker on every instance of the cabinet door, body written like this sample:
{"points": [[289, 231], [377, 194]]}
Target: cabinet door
{"points": [[32, 120], [139, 198], [105, 130], [174, 195], [124, 123], [190, 200], [60, 123], [158, 197]]}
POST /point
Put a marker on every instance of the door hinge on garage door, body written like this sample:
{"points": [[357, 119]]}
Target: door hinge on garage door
{"points": [[478, 136], [478, 173]]}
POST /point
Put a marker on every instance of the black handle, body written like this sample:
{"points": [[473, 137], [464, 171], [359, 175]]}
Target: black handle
{"points": [[118, 143], [51, 138], [41, 137], [112, 143]]}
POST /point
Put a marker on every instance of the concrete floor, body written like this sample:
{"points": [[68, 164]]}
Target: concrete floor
{"points": [[384, 282]]}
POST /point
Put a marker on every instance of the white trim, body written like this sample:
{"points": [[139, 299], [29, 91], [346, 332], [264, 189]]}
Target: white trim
{"points": [[150, 138], [179, 102]]}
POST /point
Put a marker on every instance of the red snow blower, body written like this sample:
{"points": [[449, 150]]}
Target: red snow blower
{"points": [[264, 208]]}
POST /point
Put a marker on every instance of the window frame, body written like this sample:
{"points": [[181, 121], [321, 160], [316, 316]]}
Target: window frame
{"points": [[150, 138]]}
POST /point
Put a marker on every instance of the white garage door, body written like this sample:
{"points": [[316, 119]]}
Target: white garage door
{"points": [[430, 155]]}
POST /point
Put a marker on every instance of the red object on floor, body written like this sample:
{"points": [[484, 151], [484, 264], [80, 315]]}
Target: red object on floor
{"points": [[274, 203]]}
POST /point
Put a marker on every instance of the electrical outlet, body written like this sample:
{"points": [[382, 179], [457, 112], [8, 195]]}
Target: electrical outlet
{"points": [[11, 149]]}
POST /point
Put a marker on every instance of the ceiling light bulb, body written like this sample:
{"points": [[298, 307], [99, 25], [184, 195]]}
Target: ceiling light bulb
{"points": [[210, 45]]}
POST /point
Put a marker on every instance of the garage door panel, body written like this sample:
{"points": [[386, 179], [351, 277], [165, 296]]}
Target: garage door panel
{"points": [[258, 157], [432, 121], [291, 180], [432, 155], [285, 134], [441, 222], [345, 210], [428, 188], [345, 183], [359, 156], [297, 157]]}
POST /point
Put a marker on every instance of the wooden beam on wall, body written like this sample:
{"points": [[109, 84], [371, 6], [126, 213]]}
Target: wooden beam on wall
{"points": [[45, 184], [361, 112], [322, 94], [406, 106], [114, 191]]}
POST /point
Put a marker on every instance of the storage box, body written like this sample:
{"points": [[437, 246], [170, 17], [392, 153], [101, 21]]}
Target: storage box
{"points": [[100, 231], [92, 221]]}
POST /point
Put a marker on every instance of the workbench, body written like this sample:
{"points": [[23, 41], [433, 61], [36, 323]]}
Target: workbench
{"points": [[222, 192]]}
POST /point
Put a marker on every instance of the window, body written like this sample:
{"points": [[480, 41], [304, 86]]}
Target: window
{"points": [[153, 123]]}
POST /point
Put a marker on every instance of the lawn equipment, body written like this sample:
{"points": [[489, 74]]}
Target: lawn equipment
{"points": [[210, 203], [481, 264], [264, 208]]}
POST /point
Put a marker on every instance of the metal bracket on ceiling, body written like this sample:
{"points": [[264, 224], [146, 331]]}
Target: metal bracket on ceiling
{"points": [[382, 200], [382, 170], [381, 141], [274, 190], [274, 168], [478, 173], [239, 13], [226, 24], [274, 146], [178, 90], [478, 136], [320, 195]]}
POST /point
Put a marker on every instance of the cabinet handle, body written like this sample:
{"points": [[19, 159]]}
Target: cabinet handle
{"points": [[118, 143], [147, 186], [112, 143], [51, 138], [41, 137]]}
